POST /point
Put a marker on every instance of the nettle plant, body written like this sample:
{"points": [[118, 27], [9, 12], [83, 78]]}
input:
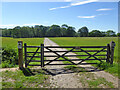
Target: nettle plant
{"points": [[9, 57]]}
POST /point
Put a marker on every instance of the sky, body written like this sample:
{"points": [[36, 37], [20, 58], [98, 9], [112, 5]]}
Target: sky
{"points": [[94, 14]]}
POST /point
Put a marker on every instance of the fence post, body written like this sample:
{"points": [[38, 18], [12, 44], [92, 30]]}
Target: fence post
{"points": [[42, 55], [25, 51], [108, 53], [112, 45], [20, 54]]}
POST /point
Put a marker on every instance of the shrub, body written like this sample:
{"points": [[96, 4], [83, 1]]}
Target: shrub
{"points": [[9, 57]]}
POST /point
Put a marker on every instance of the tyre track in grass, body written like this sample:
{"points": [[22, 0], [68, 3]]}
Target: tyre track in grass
{"points": [[66, 79]]}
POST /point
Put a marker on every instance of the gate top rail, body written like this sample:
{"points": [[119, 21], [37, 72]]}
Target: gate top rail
{"points": [[67, 46], [75, 46]]}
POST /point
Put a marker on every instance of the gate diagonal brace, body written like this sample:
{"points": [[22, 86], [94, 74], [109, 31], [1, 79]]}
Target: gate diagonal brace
{"points": [[83, 60], [55, 58], [60, 55], [97, 53], [85, 52], [91, 55], [33, 55]]}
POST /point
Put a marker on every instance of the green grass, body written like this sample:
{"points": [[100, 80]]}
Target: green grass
{"points": [[97, 82], [92, 41], [90, 80], [24, 79], [87, 41], [13, 44]]}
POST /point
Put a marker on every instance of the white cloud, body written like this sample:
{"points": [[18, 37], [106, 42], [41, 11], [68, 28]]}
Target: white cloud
{"points": [[104, 9], [64, 6], [8, 26], [52, 8], [83, 2], [86, 16], [14, 25], [59, 7], [75, 4], [93, 16]]}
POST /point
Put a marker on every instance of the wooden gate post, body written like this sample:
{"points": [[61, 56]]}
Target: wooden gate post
{"points": [[108, 53], [20, 54], [112, 45], [42, 55]]}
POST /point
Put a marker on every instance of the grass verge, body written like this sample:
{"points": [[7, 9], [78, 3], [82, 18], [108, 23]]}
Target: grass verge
{"points": [[89, 80], [24, 79]]}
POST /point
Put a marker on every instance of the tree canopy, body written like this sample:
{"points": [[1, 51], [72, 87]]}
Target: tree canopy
{"points": [[83, 32], [54, 31]]}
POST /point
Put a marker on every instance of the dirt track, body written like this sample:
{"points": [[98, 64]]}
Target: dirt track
{"points": [[66, 79]]}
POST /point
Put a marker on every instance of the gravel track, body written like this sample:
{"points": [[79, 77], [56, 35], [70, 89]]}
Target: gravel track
{"points": [[70, 80], [65, 80]]}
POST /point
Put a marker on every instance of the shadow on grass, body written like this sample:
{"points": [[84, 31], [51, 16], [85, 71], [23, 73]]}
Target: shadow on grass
{"points": [[57, 71], [32, 72], [66, 70], [27, 72]]}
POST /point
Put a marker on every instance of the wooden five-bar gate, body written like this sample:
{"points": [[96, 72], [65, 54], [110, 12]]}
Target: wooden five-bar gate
{"points": [[38, 54]]}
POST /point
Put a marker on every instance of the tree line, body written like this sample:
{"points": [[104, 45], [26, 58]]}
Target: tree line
{"points": [[54, 31]]}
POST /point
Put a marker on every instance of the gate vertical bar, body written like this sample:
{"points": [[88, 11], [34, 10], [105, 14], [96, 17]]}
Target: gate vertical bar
{"points": [[108, 53], [42, 55], [112, 45], [25, 51]]}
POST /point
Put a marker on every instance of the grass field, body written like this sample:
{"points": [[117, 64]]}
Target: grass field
{"points": [[26, 78], [13, 43], [92, 41]]}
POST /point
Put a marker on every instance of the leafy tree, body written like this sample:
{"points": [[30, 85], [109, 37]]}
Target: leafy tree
{"points": [[64, 28], [95, 33], [70, 31], [118, 34], [54, 31], [83, 32], [110, 33], [43, 30], [103, 34]]}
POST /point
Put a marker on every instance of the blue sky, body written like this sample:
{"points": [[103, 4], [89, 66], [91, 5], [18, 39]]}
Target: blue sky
{"points": [[101, 16]]}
